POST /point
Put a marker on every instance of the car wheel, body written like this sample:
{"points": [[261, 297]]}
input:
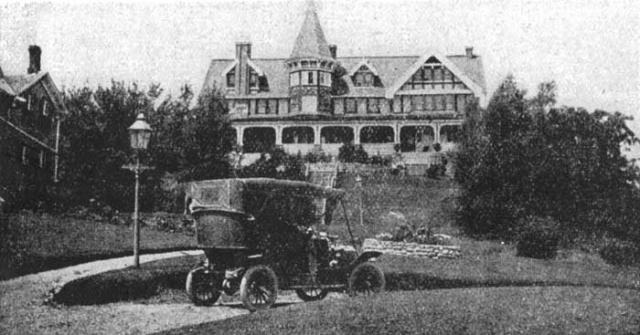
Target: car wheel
{"points": [[259, 288]]}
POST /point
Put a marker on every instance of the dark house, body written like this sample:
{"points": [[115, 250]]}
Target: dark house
{"points": [[31, 110]]}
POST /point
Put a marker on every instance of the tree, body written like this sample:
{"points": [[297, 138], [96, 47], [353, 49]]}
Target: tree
{"points": [[524, 158], [187, 143]]}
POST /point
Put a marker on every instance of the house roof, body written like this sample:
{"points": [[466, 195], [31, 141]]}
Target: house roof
{"points": [[20, 83], [311, 42], [390, 69]]}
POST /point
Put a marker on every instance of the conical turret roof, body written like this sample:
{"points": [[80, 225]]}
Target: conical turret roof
{"points": [[310, 42]]}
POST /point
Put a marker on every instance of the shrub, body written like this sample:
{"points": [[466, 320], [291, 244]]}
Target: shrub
{"points": [[436, 170], [381, 160], [437, 147], [317, 156], [351, 153], [619, 252], [538, 238]]}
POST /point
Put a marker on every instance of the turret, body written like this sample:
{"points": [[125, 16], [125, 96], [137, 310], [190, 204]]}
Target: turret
{"points": [[310, 67]]}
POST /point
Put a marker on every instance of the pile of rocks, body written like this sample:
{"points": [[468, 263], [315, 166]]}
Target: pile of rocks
{"points": [[412, 249]]}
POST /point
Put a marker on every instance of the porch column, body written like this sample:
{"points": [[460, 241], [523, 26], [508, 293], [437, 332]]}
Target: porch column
{"points": [[278, 135], [356, 134], [239, 135], [396, 133], [436, 133], [316, 136]]}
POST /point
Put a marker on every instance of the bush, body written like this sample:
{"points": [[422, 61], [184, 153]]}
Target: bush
{"points": [[317, 156], [351, 153], [538, 238], [436, 170], [619, 252], [437, 147], [276, 164], [381, 160]]}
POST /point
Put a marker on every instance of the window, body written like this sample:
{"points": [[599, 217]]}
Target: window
{"points": [[359, 79], [450, 102], [253, 79], [45, 112], [362, 105], [437, 74], [373, 106], [231, 78], [406, 104], [440, 102], [429, 103], [351, 106], [418, 102], [310, 76], [448, 76]]}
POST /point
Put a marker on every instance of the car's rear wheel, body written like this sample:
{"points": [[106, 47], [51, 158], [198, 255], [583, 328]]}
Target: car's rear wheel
{"points": [[201, 286], [366, 279], [259, 288]]}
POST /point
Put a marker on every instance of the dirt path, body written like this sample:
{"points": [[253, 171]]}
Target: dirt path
{"points": [[23, 311]]}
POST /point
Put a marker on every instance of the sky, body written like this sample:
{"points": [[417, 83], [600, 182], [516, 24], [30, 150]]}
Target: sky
{"points": [[591, 48]]}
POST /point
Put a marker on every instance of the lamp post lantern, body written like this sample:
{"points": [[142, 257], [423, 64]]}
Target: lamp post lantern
{"points": [[139, 134]]}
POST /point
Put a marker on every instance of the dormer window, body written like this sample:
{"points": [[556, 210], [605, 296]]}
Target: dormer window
{"points": [[253, 79], [365, 75], [231, 78]]}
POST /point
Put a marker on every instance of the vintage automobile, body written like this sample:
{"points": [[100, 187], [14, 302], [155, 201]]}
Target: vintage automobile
{"points": [[260, 235]]}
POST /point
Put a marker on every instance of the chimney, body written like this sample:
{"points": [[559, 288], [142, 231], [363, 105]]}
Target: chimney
{"points": [[469, 52], [334, 50], [34, 59], [243, 54]]}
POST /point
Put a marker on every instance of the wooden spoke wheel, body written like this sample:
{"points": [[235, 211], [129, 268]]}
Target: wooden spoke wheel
{"points": [[312, 293], [259, 288], [366, 279], [202, 287]]}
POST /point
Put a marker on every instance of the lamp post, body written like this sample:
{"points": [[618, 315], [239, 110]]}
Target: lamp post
{"points": [[139, 134]]}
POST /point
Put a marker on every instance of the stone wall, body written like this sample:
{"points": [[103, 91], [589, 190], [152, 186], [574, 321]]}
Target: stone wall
{"points": [[412, 249]]}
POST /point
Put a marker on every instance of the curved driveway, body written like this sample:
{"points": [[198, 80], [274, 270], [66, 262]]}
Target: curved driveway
{"points": [[23, 311]]}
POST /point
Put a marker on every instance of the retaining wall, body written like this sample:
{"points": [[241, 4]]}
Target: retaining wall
{"points": [[412, 249]]}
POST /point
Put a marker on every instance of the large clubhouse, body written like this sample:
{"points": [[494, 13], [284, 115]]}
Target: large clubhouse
{"points": [[315, 100]]}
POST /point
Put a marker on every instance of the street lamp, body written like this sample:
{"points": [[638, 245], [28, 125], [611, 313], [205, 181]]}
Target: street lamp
{"points": [[139, 134]]}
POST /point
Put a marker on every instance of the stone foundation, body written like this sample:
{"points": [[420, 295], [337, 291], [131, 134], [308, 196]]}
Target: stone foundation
{"points": [[412, 249]]}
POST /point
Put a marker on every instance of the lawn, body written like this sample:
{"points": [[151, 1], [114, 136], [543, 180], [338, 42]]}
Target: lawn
{"points": [[531, 310], [32, 243]]}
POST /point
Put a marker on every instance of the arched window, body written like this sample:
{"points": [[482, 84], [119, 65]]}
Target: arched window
{"points": [[416, 138], [450, 134], [297, 135], [336, 134], [376, 134], [258, 139]]}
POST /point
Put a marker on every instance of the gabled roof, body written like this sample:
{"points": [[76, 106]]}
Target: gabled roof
{"points": [[390, 70], [362, 63], [311, 42], [19, 84]]}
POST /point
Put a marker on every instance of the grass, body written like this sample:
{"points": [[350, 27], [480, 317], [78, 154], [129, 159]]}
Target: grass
{"points": [[533, 310], [32, 243]]}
